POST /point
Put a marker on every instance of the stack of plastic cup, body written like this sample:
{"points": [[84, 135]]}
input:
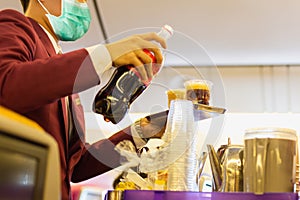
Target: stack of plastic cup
{"points": [[181, 147]]}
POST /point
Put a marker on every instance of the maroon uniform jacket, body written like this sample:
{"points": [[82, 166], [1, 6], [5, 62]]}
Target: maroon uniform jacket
{"points": [[34, 81]]}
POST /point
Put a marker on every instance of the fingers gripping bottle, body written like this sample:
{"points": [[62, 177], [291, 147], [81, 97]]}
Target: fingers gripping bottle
{"points": [[115, 98]]}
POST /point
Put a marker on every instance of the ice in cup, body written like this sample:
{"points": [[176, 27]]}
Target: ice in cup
{"points": [[198, 91], [174, 94]]}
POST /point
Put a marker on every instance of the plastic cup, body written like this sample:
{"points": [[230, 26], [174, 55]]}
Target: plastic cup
{"points": [[175, 94], [198, 91]]}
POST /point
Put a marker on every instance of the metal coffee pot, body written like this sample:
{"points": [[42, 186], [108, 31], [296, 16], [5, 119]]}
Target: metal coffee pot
{"points": [[227, 167]]}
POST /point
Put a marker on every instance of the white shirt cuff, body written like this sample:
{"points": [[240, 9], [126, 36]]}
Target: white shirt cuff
{"points": [[102, 61]]}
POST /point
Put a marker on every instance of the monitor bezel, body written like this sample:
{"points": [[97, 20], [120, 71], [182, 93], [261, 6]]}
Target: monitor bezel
{"points": [[31, 149], [20, 126]]}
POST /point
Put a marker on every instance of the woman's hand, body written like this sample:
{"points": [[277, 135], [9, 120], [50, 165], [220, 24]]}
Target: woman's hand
{"points": [[130, 51], [153, 126]]}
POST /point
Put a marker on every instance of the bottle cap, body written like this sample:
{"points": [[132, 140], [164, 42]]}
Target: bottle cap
{"points": [[166, 32]]}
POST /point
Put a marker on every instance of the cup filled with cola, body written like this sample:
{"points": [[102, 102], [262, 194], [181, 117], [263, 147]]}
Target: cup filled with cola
{"points": [[198, 91]]}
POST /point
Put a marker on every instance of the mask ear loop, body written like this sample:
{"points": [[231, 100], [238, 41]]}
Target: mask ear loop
{"points": [[47, 11], [44, 7]]}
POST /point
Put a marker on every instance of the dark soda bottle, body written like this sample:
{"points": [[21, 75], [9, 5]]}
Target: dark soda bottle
{"points": [[125, 85]]}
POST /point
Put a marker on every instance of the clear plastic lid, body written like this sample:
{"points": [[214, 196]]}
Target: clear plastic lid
{"points": [[270, 132]]}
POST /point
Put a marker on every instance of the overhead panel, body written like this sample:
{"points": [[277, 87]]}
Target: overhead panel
{"points": [[230, 32]]}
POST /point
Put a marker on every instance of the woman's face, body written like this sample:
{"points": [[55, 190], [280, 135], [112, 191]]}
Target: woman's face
{"points": [[55, 6]]}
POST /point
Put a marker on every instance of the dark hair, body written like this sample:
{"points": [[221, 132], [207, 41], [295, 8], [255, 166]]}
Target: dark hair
{"points": [[25, 4]]}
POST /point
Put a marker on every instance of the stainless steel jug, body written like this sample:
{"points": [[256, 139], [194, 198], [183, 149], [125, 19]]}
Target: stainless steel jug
{"points": [[227, 167], [270, 160]]}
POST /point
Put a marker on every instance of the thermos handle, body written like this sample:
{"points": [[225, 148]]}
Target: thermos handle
{"points": [[260, 165]]}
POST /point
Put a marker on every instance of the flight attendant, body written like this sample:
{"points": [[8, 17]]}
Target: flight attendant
{"points": [[41, 83]]}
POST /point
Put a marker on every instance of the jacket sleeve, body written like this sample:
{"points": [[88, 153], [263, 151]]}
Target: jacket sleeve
{"points": [[100, 157], [29, 76]]}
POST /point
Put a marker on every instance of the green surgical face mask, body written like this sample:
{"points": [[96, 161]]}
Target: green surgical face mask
{"points": [[73, 22]]}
